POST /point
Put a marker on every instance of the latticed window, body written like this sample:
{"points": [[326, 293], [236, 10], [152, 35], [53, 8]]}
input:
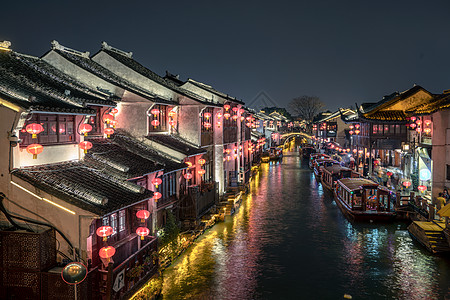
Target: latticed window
{"points": [[113, 219], [58, 129], [157, 117], [122, 220]]}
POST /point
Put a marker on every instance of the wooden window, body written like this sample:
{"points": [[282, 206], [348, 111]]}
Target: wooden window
{"points": [[96, 121], [391, 129], [397, 129], [380, 129], [161, 117], [122, 220], [375, 129], [386, 129], [58, 129], [113, 220], [105, 221]]}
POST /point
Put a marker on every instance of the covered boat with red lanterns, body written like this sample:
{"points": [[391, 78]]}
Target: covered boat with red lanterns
{"points": [[331, 174], [319, 164], [362, 199], [315, 156]]}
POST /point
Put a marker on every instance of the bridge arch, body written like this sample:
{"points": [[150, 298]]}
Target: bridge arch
{"points": [[285, 137]]}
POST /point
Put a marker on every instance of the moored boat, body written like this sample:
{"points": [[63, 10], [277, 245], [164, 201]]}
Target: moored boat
{"points": [[319, 164], [331, 174], [315, 156], [362, 199], [306, 151]]}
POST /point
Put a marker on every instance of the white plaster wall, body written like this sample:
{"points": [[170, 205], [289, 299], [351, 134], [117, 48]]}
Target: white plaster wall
{"points": [[80, 74], [50, 154], [189, 123], [133, 118], [440, 153], [120, 69], [43, 211]]}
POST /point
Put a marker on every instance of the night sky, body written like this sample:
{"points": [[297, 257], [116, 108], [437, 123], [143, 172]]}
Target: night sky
{"points": [[341, 51]]}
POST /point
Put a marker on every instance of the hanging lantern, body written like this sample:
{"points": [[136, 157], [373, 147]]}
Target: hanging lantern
{"points": [[207, 125], [413, 125], [202, 161], [104, 232], [406, 184], [34, 129], [143, 215], [157, 195], [389, 174], [413, 119], [348, 149], [242, 118], [108, 118], [219, 124], [235, 117], [226, 115], [418, 129], [228, 158], [188, 176], [351, 132], [201, 172], [207, 115], [107, 252], [419, 122], [85, 145], [155, 123], [427, 130], [422, 188], [357, 131], [226, 106], [354, 150], [35, 149], [114, 111], [189, 164], [249, 118], [109, 131], [350, 127], [427, 122], [142, 232], [235, 109], [85, 128], [114, 123], [155, 112], [356, 126], [172, 114], [376, 162], [241, 111], [156, 182], [219, 115], [172, 123]]}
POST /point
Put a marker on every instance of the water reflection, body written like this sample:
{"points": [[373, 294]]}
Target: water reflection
{"points": [[290, 241]]}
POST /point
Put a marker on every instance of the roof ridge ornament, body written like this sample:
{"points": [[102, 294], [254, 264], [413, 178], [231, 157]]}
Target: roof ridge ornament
{"points": [[58, 46], [105, 46], [4, 45]]}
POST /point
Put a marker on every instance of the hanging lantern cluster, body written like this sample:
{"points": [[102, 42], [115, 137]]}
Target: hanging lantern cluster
{"points": [[108, 251], [172, 119], [34, 129], [109, 119], [155, 112], [219, 119], [143, 231]]}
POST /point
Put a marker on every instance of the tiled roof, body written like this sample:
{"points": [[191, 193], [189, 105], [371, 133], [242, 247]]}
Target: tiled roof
{"points": [[103, 73], [28, 89], [135, 146], [176, 143], [119, 159], [45, 73], [84, 186], [440, 102], [137, 67], [214, 91], [336, 114], [387, 115]]}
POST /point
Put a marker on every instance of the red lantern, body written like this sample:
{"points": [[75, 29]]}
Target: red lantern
{"points": [[189, 164], [35, 149], [107, 252], [413, 118], [207, 125], [85, 128], [172, 114], [114, 123], [172, 123], [207, 115], [357, 131], [219, 124], [226, 106], [201, 172], [156, 182], [356, 126], [154, 112], [407, 184], [351, 132], [422, 188], [157, 195], [202, 161], [114, 111], [188, 176], [389, 174], [108, 118], [418, 129], [85, 145], [219, 115], [235, 117], [142, 232], [226, 115], [350, 127], [109, 131], [235, 109], [143, 215], [104, 231], [427, 130], [242, 118], [34, 129], [155, 123], [412, 125]]}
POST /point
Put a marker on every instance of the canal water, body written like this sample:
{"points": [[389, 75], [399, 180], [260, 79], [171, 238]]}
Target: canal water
{"points": [[289, 240]]}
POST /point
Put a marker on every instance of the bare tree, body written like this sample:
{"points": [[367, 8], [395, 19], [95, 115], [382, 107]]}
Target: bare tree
{"points": [[306, 107]]}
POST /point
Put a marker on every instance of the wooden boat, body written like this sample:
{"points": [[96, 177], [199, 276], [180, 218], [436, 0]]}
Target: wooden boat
{"points": [[362, 199], [319, 164], [275, 153], [306, 152], [315, 156], [331, 174], [265, 157]]}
